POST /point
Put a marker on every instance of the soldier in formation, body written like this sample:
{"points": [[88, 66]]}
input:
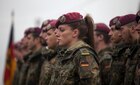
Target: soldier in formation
{"points": [[72, 50]]}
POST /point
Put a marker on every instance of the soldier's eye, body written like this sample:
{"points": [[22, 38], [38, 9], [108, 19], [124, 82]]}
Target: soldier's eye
{"points": [[62, 30], [44, 30], [48, 34]]}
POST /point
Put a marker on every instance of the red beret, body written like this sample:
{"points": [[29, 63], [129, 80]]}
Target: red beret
{"points": [[126, 19], [69, 18], [35, 30], [28, 31], [114, 20], [138, 16], [50, 25], [45, 23], [102, 28]]}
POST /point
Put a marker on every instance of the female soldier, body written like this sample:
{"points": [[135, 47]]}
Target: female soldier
{"points": [[77, 65]]}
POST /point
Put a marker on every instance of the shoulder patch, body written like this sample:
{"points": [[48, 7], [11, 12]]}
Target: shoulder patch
{"points": [[84, 52]]}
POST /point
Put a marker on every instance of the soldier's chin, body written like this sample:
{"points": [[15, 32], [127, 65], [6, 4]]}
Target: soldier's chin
{"points": [[61, 44], [111, 40]]}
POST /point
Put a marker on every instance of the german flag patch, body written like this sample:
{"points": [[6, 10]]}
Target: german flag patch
{"points": [[84, 64]]}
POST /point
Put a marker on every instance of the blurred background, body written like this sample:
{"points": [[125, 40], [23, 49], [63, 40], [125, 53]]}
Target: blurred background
{"points": [[32, 12]]}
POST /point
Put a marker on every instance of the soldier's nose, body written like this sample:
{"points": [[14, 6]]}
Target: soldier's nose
{"points": [[110, 33]]}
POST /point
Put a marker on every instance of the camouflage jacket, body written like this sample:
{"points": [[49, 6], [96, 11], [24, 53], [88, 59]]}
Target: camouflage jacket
{"points": [[76, 67], [24, 70], [47, 66], [137, 73], [132, 72], [17, 72], [120, 56], [35, 62], [105, 59]]}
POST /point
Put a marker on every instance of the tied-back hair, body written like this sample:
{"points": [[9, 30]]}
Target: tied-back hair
{"points": [[90, 25], [85, 27]]}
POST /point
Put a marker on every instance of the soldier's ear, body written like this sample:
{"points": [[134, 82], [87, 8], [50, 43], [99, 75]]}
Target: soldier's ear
{"points": [[119, 34], [133, 29], [75, 33], [100, 37]]}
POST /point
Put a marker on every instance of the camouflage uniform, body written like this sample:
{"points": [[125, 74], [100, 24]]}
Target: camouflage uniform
{"points": [[76, 67], [24, 70], [105, 59], [132, 66], [120, 55], [35, 62], [47, 66], [17, 72], [137, 71]]}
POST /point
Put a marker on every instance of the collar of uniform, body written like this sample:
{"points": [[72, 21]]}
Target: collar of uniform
{"points": [[35, 54], [107, 49], [77, 45]]}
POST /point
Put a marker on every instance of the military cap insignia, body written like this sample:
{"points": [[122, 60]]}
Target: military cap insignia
{"points": [[62, 19], [48, 26], [45, 22], [44, 29], [115, 20], [118, 25]]}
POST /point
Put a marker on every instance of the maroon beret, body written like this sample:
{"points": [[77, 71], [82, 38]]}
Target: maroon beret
{"points": [[114, 20], [101, 27], [35, 30], [138, 16], [45, 23], [50, 25], [126, 19], [28, 31], [69, 18]]}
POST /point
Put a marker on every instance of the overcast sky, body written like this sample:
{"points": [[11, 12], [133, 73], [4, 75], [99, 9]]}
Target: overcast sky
{"points": [[29, 11]]}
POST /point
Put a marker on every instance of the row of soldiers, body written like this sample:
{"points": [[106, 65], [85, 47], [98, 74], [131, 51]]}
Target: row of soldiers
{"points": [[73, 50]]}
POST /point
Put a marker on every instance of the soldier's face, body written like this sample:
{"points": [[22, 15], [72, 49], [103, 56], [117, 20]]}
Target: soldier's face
{"points": [[43, 35], [138, 28], [24, 41], [126, 37], [97, 38], [65, 35], [31, 43], [115, 35], [51, 39]]}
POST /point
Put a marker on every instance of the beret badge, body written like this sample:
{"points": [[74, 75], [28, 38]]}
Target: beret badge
{"points": [[115, 20], [48, 26], [62, 19], [118, 24]]}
